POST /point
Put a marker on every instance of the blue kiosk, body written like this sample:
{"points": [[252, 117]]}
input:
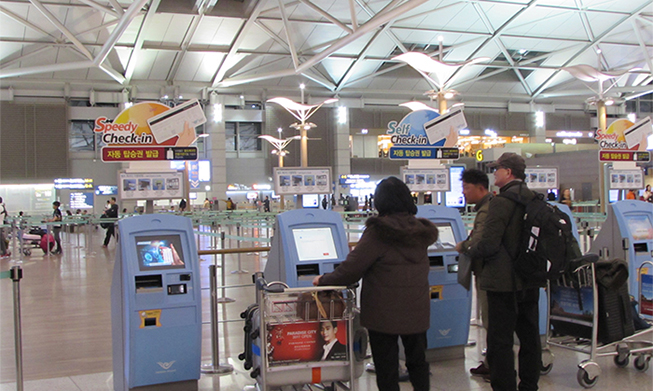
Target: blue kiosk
{"points": [[627, 234], [451, 303], [156, 305], [306, 243]]}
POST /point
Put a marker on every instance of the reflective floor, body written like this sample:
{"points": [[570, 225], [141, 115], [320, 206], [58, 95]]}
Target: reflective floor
{"points": [[67, 331]]}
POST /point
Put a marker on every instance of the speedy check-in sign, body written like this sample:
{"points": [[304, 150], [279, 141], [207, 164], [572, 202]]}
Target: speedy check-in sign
{"points": [[130, 137]]}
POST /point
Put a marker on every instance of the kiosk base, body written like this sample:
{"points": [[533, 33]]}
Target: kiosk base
{"points": [[445, 353], [188, 385]]}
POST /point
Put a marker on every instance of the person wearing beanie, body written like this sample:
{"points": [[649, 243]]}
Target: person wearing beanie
{"points": [[391, 258]]}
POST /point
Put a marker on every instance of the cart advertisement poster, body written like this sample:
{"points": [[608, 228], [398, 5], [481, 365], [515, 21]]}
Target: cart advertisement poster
{"points": [[572, 305], [307, 342], [646, 299]]}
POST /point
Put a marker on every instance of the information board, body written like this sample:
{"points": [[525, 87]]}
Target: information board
{"points": [[428, 179], [154, 185], [314, 180], [542, 178], [626, 179]]}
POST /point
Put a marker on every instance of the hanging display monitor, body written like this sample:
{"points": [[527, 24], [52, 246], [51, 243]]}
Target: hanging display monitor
{"points": [[455, 198]]}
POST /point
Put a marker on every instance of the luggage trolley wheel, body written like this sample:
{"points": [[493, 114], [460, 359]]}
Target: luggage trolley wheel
{"points": [[588, 373], [641, 362], [621, 361], [547, 362]]}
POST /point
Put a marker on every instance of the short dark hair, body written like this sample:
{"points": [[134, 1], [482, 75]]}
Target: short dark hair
{"points": [[393, 196], [475, 177], [56, 203], [113, 198]]}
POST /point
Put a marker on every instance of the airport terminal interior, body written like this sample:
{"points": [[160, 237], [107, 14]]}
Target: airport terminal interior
{"points": [[248, 136]]}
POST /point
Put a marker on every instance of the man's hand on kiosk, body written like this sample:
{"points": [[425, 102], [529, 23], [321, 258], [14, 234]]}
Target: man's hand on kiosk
{"points": [[316, 280], [459, 247]]}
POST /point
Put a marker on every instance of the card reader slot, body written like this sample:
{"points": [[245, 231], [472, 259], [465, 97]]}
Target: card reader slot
{"points": [[436, 261], [641, 247], [149, 282], [312, 269]]}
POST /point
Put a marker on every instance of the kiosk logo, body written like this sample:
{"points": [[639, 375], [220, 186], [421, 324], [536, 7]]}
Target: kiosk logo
{"points": [[166, 365], [444, 332]]}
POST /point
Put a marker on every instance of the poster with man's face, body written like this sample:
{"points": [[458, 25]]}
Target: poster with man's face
{"points": [[307, 341]]}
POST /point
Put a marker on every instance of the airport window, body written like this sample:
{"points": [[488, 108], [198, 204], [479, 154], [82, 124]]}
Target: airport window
{"points": [[242, 136], [82, 137]]}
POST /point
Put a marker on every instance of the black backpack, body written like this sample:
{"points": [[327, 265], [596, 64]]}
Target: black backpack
{"points": [[107, 224], [547, 244]]}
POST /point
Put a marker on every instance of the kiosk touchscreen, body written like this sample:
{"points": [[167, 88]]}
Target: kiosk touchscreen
{"points": [[156, 305], [450, 302], [306, 243], [627, 234]]}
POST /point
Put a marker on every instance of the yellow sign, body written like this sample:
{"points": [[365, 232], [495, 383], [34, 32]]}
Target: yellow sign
{"points": [[436, 291], [479, 155], [150, 318]]}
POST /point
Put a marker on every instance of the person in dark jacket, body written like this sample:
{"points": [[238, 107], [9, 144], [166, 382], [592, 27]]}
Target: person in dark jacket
{"points": [[332, 348], [391, 258], [512, 304], [111, 212]]}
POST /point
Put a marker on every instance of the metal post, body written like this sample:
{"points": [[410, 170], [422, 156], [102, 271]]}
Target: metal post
{"points": [[215, 366], [224, 298], [240, 268], [16, 275]]}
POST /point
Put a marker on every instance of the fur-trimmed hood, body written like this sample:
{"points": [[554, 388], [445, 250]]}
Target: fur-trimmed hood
{"points": [[403, 228]]}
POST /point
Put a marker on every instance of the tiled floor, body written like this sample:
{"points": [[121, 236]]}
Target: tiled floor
{"points": [[67, 331]]}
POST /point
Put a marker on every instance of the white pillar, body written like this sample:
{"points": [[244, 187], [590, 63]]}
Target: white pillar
{"points": [[342, 157], [215, 127]]}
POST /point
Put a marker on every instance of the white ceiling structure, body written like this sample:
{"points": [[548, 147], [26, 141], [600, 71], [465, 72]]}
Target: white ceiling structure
{"points": [[66, 48]]}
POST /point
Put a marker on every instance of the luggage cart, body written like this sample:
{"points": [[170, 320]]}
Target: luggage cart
{"points": [[584, 327], [283, 337]]}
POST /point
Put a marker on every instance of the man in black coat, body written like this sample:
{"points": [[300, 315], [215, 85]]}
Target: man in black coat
{"points": [[332, 349], [111, 212]]}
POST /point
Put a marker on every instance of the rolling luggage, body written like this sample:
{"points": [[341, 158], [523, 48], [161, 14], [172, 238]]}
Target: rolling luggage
{"points": [[47, 240], [247, 354]]}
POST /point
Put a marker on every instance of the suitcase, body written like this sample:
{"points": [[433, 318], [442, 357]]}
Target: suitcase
{"points": [[615, 316], [47, 240], [247, 354]]}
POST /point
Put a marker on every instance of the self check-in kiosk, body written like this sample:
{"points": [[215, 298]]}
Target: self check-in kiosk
{"points": [[450, 302], [306, 243], [627, 233], [156, 305]]}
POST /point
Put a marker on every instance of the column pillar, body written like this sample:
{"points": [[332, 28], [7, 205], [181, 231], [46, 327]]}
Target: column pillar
{"points": [[342, 156], [536, 127], [215, 128]]}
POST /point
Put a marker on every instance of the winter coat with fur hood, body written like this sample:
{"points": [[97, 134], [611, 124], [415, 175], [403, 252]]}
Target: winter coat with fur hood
{"points": [[391, 259]]}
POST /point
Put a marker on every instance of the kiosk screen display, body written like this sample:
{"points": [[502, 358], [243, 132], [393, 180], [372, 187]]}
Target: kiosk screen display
{"points": [[640, 227], [446, 239], [314, 244], [159, 252]]}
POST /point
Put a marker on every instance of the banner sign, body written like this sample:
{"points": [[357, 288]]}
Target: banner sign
{"points": [[154, 185], [81, 200], [625, 141], [314, 180], [127, 154], [151, 131], [73, 183], [424, 134], [542, 178], [626, 179], [431, 179]]}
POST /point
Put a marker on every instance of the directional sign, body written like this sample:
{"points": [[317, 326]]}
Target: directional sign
{"points": [[127, 154], [624, 156], [423, 153]]}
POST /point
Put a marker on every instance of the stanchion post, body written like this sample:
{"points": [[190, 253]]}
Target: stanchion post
{"points": [[224, 298], [215, 366], [240, 268], [16, 275]]}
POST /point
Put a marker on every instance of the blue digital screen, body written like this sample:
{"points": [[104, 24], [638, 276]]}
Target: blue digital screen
{"points": [[159, 252], [81, 200], [106, 190]]}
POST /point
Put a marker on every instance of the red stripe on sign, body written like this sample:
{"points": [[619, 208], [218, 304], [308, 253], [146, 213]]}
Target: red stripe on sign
{"points": [[317, 375]]}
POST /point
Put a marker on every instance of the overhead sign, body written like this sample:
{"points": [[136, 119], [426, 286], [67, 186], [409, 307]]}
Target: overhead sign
{"points": [[624, 136], [626, 179], [314, 180], [625, 156], [424, 134], [151, 131], [131, 154], [106, 190], [542, 178], [350, 179], [81, 200], [73, 183], [432, 179]]}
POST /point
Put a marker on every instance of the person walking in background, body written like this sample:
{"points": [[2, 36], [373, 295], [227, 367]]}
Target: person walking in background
{"points": [[648, 195], [565, 198], [631, 195], [391, 258], [182, 205], [512, 304], [112, 212], [207, 204], [475, 190], [56, 229], [3, 219], [325, 203], [266, 204]]}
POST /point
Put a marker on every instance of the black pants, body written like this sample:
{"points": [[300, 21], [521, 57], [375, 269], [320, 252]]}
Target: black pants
{"points": [[110, 233], [385, 352], [56, 231], [511, 312]]}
